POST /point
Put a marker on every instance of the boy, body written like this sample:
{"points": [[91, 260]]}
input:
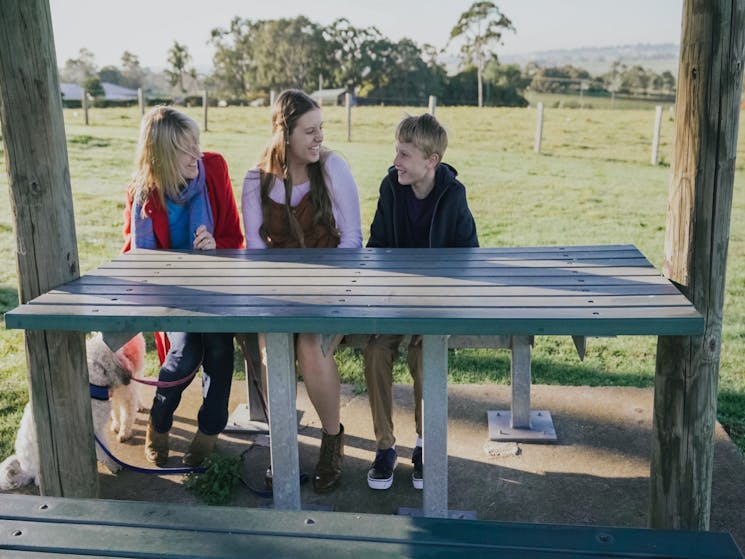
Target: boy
{"points": [[421, 205]]}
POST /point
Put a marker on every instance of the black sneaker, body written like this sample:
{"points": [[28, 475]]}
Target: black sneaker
{"points": [[416, 475], [380, 475]]}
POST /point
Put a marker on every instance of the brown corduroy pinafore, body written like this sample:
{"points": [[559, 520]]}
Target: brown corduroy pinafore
{"points": [[280, 234]]}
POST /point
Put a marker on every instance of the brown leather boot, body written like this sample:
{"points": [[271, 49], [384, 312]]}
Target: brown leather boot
{"points": [[200, 448], [328, 470], [156, 446]]}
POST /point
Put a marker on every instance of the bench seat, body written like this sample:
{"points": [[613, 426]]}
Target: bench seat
{"points": [[519, 423], [41, 527]]}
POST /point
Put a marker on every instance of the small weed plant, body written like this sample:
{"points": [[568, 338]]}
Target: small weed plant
{"points": [[215, 486]]}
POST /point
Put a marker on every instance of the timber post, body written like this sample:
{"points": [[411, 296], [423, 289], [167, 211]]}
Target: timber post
{"points": [[348, 105], [655, 158], [697, 234], [46, 246], [538, 129], [205, 107], [141, 101], [84, 106]]}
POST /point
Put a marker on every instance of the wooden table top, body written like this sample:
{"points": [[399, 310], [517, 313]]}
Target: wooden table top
{"points": [[570, 290]]}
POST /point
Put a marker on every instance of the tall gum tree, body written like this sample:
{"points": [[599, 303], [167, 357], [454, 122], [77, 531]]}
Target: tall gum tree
{"points": [[481, 27]]}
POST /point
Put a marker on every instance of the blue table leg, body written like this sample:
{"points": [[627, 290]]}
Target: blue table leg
{"points": [[280, 364]]}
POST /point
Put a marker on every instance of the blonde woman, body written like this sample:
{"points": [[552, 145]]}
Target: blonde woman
{"points": [[181, 198], [301, 195]]}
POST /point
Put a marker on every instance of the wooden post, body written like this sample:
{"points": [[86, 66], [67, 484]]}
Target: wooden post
{"points": [[348, 103], [656, 136], [141, 100], [205, 104], [432, 104], [46, 248], [698, 222], [272, 97], [538, 129], [320, 89], [84, 103]]}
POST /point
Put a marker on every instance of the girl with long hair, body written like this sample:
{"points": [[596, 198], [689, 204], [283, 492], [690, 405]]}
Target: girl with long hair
{"points": [[301, 195]]}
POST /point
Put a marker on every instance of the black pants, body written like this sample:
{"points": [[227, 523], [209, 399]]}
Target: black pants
{"points": [[214, 351]]}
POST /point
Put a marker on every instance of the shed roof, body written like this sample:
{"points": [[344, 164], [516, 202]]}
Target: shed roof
{"points": [[112, 92]]}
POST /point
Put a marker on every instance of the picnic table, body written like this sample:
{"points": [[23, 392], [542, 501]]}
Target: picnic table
{"points": [[605, 290]]}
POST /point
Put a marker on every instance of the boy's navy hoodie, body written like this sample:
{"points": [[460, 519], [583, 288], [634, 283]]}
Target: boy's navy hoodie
{"points": [[452, 224]]}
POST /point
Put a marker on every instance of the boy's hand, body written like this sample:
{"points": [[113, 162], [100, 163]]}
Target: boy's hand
{"points": [[203, 239]]}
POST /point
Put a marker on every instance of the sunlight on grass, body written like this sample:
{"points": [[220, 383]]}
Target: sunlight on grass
{"points": [[592, 184]]}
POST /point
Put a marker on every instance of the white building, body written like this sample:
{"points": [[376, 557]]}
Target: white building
{"points": [[112, 92], [331, 96]]}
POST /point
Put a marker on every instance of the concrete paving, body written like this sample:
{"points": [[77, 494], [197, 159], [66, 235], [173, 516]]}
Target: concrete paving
{"points": [[596, 473]]}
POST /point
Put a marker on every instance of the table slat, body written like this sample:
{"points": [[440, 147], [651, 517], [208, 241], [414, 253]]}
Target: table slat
{"points": [[586, 291]]}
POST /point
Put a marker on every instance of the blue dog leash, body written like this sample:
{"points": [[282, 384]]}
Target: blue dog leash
{"points": [[98, 392], [265, 493], [102, 393], [164, 471]]}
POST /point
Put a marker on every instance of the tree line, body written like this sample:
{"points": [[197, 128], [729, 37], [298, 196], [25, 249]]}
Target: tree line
{"points": [[253, 58]]}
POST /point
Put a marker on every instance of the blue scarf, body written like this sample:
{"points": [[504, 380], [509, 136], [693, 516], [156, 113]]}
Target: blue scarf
{"points": [[194, 197]]}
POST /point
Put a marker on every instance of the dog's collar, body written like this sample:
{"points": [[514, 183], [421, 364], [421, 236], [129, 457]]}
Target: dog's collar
{"points": [[99, 392]]}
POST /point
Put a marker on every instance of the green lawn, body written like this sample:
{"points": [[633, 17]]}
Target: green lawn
{"points": [[592, 183]]}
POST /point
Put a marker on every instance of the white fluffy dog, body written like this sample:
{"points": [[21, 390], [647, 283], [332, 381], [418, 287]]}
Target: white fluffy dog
{"points": [[106, 370], [125, 398]]}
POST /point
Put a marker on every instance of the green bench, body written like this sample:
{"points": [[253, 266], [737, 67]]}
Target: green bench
{"points": [[40, 527], [519, 423]]}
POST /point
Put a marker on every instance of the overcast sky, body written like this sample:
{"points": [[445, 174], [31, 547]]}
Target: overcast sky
{"points": [[148, 28]]}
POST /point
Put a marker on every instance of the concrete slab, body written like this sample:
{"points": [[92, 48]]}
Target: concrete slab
{"points": [[597, 472]]}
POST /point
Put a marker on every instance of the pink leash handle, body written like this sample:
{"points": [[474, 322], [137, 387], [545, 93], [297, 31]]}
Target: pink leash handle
{"points": [[166, 384]]}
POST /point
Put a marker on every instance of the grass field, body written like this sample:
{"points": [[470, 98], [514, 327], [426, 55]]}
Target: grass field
{"points": [[592, 183], [577, 101]]}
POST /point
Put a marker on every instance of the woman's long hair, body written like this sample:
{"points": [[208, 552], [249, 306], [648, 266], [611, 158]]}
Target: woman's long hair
{"points": [[290, 105], [164, 133]]}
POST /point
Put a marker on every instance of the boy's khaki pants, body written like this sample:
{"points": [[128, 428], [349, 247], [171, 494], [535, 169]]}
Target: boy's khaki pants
{"points": [[380, 353]]}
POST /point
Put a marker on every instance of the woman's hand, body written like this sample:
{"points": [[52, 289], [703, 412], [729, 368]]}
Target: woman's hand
{"points": [[203, 239]]}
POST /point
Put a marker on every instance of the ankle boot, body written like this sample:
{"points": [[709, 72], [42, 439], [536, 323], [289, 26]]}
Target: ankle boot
{"points": [[328, 469], [200, 448], [156, 446]]}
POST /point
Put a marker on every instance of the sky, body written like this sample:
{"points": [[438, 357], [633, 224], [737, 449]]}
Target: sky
{"points": [[148, 28]]}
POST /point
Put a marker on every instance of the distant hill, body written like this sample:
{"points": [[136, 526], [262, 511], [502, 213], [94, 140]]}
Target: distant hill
{"points": [[598, 60]]}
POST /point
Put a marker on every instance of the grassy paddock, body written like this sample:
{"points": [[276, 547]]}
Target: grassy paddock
{"points": [[592, 183], [577, 101]]}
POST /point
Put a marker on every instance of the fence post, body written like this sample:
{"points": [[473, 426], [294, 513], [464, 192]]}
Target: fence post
{"points": [[538, 129], [320, 90], [272, 97], [84, 102], [205, 104], [656, 136], [432, 104], [348, 103], [583, 86], [141, 100]]}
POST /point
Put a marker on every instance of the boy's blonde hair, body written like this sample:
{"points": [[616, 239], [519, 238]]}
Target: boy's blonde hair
{"points": [[164, 132], [425, 133]]}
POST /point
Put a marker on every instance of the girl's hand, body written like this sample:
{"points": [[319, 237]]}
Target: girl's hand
{"points": [[203, 239]]}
